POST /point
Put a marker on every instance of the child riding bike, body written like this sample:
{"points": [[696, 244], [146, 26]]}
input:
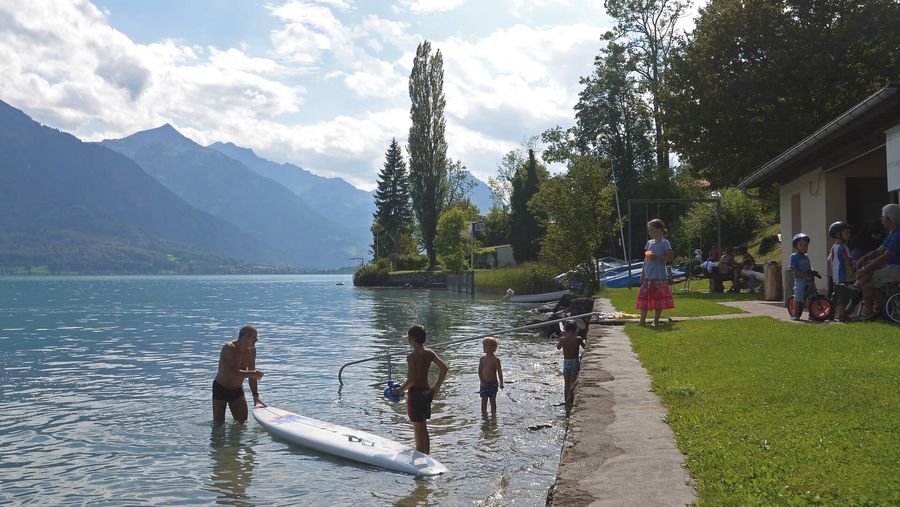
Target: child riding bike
{"points": [[804, 284]]}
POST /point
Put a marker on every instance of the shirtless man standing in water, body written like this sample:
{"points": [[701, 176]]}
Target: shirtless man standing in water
{"points": [[237, 361]]}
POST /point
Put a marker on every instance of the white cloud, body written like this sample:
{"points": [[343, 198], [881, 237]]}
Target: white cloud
{"points": [[427, 6], [309, 31], [522, 75], [66, 66]]}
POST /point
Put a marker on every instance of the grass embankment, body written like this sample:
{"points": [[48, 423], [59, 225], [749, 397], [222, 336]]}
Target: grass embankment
{"points": [[772, 413], [527, 278], [772, 253], [687, 304]]}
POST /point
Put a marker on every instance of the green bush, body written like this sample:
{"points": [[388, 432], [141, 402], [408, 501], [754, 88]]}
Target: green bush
{"points": [[409, 262], [451, 248], [372, 274], [741, 218]]}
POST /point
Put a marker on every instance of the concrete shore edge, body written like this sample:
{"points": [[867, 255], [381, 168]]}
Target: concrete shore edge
{"points": [[618, 450]]}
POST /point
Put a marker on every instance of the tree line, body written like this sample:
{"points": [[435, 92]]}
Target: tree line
{"points": [[664, 113]]}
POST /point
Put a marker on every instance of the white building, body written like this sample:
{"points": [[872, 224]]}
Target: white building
{"points": [[847, 170]]}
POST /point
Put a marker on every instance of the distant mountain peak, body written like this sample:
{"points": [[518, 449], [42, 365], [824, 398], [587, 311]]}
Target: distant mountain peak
{"points": [[164, 131], [164, 135]]}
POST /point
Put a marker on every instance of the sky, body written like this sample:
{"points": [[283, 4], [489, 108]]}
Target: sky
{"points": [[322, 84]]}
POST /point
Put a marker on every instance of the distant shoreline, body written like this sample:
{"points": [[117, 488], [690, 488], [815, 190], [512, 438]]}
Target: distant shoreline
{"points": [[165, 275]]}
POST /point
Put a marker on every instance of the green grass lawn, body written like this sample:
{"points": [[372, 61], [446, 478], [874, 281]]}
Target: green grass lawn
{"points": [[687, 304], [773, 413]]}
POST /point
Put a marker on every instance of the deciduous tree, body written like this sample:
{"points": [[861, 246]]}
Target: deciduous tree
{"points": [[427, 146], [648, 29], [578, 216], [756, 77], [451, 243]]}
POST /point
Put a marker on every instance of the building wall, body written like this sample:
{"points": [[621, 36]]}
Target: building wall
{"points": [[893, 157], [811, 189], [505, 256]]}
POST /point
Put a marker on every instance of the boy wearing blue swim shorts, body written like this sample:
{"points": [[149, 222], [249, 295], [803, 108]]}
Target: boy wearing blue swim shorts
{"points": [[570, 343], [490, 374]]}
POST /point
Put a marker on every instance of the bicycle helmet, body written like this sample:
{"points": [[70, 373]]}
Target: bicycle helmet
{"points": [[798, 237], [835, 229]]}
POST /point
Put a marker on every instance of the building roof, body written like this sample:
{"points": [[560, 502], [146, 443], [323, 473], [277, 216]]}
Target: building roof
{"points": [[857, 117]]}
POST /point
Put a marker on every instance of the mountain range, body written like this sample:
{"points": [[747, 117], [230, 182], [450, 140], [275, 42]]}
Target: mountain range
{"points": [[224, 187], [79, 207], [157, 201]]}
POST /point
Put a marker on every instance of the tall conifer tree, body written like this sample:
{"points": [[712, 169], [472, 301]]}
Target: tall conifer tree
{"points": [[525, 229], [427, 146], [393, 214]]}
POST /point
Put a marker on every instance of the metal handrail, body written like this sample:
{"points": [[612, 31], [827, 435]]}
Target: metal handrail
{"points": [[461, 340]]}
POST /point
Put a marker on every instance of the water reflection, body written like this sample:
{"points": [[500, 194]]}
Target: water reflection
{"points": [[232, 464], [420, 495], [489, 430]]}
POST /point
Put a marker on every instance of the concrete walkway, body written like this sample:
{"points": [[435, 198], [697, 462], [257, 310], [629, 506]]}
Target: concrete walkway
{"points": [[617, 449], [774, 309]]}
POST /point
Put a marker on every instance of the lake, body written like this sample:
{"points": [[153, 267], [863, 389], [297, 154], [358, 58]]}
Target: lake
{"points": [[105, 393]]}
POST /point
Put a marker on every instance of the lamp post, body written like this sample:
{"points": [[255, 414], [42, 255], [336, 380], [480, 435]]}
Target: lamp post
{"points": [[715, 194]]}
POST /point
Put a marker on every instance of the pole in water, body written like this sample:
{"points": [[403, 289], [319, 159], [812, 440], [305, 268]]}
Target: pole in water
{"points": [[454, 342]]}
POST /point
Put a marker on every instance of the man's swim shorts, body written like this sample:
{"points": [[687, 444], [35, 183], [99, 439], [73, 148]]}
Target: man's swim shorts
{"points": [[222, 393]]}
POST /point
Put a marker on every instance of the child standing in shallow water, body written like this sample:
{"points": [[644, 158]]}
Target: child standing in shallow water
{"points": [[490, 374], [570, 342], [418, 393], [655, 293]]}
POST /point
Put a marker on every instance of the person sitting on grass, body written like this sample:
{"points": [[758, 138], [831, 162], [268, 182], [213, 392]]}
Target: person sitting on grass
{"points": [[803, 276], [881, 266]]}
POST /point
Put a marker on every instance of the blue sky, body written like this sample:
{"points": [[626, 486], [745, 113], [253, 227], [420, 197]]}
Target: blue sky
{"points": [[318, 83]]}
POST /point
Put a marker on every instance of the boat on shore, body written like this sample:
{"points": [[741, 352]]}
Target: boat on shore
{"points": [[545, 297]]}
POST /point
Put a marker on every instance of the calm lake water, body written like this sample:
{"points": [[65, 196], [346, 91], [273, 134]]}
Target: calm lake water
{"points": [[105, 393]]}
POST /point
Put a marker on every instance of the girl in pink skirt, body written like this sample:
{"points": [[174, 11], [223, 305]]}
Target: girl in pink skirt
{"points": [[655, 293]]}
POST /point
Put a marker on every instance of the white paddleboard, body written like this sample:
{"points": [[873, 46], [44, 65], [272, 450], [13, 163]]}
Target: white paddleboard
{"points": [[346, 442]]}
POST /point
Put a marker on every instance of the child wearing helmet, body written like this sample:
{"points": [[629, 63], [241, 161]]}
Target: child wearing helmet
{"points": [[840, 267], [803, 273]]}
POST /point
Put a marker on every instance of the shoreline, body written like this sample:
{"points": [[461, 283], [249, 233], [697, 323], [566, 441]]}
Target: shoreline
{"points": [[617, 449]]}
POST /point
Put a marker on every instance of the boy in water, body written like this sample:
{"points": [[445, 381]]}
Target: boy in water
{"points": [[237, 361], [569, 342], [490, 374], [419, 393]]}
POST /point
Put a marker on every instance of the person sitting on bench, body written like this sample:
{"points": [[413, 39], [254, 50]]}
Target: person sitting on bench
{"points": [[744, 275], [726, 266]]}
